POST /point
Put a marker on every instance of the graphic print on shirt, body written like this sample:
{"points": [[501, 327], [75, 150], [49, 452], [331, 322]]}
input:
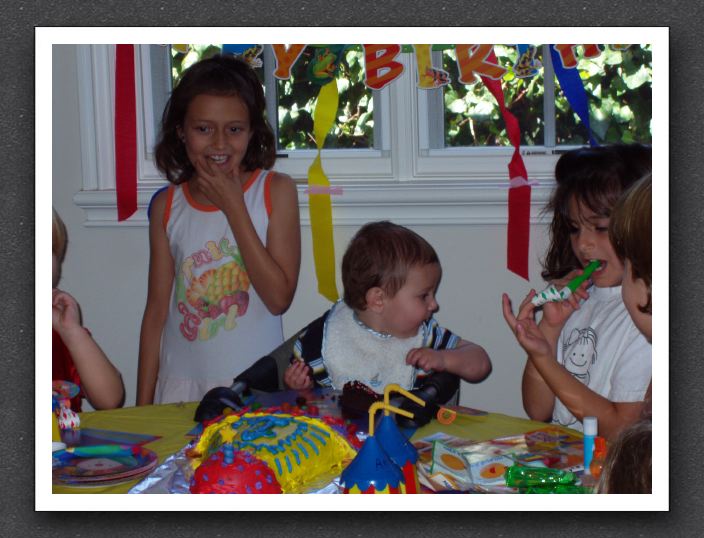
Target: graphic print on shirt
{"points": [[211, 290], [579, 353]]}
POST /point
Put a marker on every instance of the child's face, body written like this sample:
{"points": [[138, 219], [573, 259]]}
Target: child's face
{"points": [[635, 294], [413, 303], [216, 128], [589, 236]]}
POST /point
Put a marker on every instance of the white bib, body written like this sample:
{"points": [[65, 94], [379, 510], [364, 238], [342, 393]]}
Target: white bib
{"points": [[354, 352]]}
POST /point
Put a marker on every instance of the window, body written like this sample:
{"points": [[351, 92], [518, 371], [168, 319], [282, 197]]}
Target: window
{"points": [[413, 155]]}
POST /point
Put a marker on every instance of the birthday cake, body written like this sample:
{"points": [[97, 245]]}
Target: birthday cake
{"points": [[356, 399], [270, 451]]}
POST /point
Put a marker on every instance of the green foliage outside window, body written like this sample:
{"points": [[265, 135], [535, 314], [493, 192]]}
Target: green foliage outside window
{"points": [[618, 86]]}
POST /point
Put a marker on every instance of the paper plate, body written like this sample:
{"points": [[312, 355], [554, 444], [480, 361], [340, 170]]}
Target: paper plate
{"points": [[64, 389], [103, 470]]}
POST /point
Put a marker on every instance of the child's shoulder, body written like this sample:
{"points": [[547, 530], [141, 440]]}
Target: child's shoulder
{"points": [[280, 180], [159, 201], [282, 189]]}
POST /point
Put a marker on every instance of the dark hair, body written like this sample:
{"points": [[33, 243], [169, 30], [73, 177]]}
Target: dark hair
{"points": [[220, 75], [380, 255], [595, 177], [628, 466], [630, 232]]}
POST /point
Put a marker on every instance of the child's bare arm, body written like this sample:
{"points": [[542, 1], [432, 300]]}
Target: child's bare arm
{"points": [[582, 401], [100, 380], [161, 275], [468, 360], [538, 398]]}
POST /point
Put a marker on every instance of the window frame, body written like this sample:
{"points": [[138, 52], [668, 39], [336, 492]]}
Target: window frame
{"points": [[402, 181]]}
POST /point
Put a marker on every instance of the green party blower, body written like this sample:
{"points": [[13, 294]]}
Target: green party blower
{"points": [[551, 294]]}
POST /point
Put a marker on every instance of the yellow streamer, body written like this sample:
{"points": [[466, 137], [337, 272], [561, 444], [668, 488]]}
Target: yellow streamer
{"points": [[320, 204]]}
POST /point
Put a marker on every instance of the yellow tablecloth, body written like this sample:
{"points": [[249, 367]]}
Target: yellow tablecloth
{"points": [[483, 427], [173, 421]]}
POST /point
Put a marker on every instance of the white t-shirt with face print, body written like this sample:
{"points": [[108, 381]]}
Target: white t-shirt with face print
{"points": [[602, 348]]}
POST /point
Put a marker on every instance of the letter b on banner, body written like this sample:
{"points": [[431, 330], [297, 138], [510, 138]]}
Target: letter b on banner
{"points": [[380, 65]]}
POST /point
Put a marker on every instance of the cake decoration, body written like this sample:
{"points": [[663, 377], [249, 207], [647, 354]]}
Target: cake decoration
{"points": [[298, 450]]}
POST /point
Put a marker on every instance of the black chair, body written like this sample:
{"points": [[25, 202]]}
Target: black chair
{"points": [[267, 375]]}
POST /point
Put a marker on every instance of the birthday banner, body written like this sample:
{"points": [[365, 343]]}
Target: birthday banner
{"points": [[476, 63]]}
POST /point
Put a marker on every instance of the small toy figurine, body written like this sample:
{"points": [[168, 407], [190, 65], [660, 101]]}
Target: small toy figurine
{"points": [[62, 392]]}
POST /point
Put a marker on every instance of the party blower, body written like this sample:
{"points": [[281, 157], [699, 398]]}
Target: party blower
{"points": [[551, 293], [372, 470]]}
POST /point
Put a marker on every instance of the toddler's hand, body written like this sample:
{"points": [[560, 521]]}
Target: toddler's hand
{"points": [[297, 376], [65, 315], [427, 359], [524, 327]]}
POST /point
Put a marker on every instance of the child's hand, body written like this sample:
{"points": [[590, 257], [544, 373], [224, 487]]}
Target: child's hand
{"points": [[297, 376], [65, 315], [524, 327], [427, 359], [220, 186], [555, 314]]}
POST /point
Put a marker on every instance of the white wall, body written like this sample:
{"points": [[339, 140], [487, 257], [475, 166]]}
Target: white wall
{"points": [[106, 270]]}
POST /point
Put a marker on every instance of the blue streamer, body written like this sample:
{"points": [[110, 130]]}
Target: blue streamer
{"points": [[572, 85]]}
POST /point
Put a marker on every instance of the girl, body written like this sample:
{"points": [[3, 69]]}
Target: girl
{"points": [[75, 356], [585, 358], [224, 238]]}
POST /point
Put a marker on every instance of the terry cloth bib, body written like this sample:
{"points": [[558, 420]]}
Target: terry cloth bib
{"points": [[353, 352]]}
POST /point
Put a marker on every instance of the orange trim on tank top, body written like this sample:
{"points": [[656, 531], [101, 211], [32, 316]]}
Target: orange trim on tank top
{"points": [[267, 192]]}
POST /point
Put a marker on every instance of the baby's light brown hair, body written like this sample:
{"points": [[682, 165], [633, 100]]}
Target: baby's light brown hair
{"points": [[59, 237], [380, 255]]}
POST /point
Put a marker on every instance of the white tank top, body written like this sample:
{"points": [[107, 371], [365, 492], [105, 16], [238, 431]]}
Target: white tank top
{"points": [[217, 325]]}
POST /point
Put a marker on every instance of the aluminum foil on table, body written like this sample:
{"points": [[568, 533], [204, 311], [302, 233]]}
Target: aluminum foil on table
{"points": [[174, 476]]}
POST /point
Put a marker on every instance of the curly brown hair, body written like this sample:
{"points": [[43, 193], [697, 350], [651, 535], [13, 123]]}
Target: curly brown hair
{"points": [[596, 177], [220, 75], [380, 255]]}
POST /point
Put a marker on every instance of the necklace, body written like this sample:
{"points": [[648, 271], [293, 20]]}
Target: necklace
{"points": [[368, 328]]}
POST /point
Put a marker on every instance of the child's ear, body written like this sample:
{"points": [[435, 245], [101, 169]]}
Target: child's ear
{"points": [[375, 299]]}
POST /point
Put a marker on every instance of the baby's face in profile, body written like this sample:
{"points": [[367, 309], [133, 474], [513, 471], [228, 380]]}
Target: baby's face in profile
{"points": [[414, 303]]}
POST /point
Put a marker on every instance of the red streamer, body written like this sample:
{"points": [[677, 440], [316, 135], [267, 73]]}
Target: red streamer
{"points": [[518, 238], [125, 132]]}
